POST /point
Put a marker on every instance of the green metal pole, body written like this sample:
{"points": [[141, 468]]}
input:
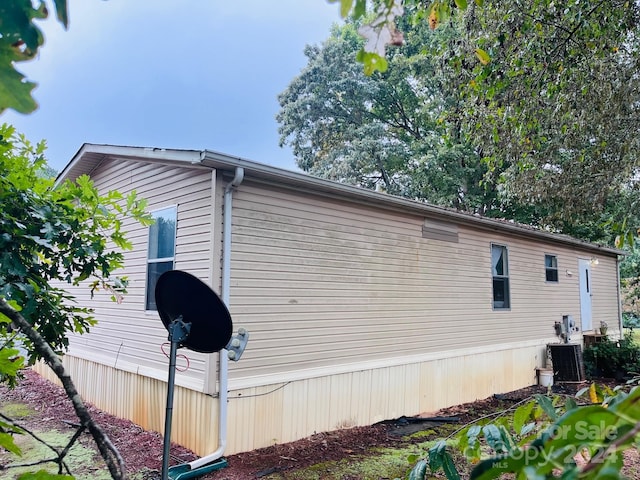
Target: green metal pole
{"points": [[178, 331]]}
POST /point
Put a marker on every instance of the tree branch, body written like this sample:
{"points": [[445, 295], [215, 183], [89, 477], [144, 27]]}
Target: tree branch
{"points": [[108, 451], [59, 456]]}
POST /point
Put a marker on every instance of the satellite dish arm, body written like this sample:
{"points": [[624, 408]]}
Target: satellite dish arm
{"points": [[237, 344]]}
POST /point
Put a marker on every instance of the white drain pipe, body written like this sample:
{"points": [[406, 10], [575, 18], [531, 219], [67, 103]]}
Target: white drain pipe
{"points": [[223, 360]]}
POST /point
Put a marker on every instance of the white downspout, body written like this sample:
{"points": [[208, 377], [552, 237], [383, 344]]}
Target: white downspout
{"points": [[619, 296], [223, 360]]}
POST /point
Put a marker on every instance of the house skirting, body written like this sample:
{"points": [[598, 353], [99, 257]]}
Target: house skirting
{"points": [[260, 416]]}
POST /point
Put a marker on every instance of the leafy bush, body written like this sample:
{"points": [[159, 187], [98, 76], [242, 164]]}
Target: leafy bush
{"points": [[541, 437], [612, 359]]}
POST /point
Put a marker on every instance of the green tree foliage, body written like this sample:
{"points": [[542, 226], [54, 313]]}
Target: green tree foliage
{"points": [[557, 99], [51, 236], [380, 30], [384, 131], [20, 40], [549, 99], [630, 287], [69, 234]]}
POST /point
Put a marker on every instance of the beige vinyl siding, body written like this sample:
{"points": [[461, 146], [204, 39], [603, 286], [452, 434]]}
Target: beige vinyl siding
{"points": [[604, 290], [356, 314], [321, 282], [127, 336]]}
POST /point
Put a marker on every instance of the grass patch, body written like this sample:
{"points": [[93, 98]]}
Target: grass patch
{"points": [[377, 463], [85, 464], [383, 462], [17, 411], [386, 463], [425, 434]]}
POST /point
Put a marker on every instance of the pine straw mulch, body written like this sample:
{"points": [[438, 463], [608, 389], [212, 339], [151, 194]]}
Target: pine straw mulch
{"points": [[142, 450]]}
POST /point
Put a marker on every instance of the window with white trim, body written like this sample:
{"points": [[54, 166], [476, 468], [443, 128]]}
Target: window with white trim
{"points": [[551, 268], [161, 252], [500, 274]]}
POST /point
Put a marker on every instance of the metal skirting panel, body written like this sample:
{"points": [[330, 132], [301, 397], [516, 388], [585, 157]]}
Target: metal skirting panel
{"points": [[279, 413], [143, 401]]}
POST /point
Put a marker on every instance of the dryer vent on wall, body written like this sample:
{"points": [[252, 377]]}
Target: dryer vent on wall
{"points": [[567, 362]]}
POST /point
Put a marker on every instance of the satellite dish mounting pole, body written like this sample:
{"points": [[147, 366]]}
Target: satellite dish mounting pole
{"points": [[196, 319], [178, 332]]}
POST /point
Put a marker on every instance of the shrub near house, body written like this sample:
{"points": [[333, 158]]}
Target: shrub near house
{"points": [[613, 359]]}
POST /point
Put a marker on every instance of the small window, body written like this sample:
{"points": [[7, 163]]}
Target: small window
{"points": [[551, 268], [162, 247], [500, 271]]}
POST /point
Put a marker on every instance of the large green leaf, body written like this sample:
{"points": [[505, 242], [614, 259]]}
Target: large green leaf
{"points": [[419, 471], [449, 467], [10, 362], [591, 424], [521, 416], [20, 40], [61, 12], [15, 91], [7, 442], [436, 455], [494, 438], [629, 407], [547, 406], [17, 27]]}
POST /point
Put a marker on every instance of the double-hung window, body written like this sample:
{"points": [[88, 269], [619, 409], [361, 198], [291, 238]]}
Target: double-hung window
{"points": [[500, 273], [162, 248], [551, 268]]}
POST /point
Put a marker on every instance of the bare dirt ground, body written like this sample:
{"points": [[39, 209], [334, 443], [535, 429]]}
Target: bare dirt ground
{"points": [[142, 450]]}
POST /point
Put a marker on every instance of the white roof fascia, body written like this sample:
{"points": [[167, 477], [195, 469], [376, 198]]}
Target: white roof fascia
{"points": [[75, 167]]}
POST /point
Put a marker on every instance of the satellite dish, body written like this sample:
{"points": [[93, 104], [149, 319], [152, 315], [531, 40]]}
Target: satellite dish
{"points": [[195, 318], [180, 294]]}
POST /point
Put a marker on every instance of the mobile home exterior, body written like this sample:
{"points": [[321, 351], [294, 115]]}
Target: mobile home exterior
{"points": [[360, 306]]}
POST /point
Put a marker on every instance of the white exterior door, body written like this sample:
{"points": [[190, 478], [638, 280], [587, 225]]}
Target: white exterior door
{"points": [[584, 267]]}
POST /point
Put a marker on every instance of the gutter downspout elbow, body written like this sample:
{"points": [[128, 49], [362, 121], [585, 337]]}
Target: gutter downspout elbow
{"points": [[223, 359], [237, 180]]}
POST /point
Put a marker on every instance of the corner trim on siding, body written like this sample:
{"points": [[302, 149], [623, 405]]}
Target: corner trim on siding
{"points": [[279, 378], [211, 364]]}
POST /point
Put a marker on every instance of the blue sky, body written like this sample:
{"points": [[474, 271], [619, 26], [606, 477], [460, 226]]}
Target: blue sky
{"points": [[171, 73]]}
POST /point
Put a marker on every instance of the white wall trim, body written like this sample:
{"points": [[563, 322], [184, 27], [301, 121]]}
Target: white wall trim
{"points": [[303, 374], [185, 381], [279, 378]]}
